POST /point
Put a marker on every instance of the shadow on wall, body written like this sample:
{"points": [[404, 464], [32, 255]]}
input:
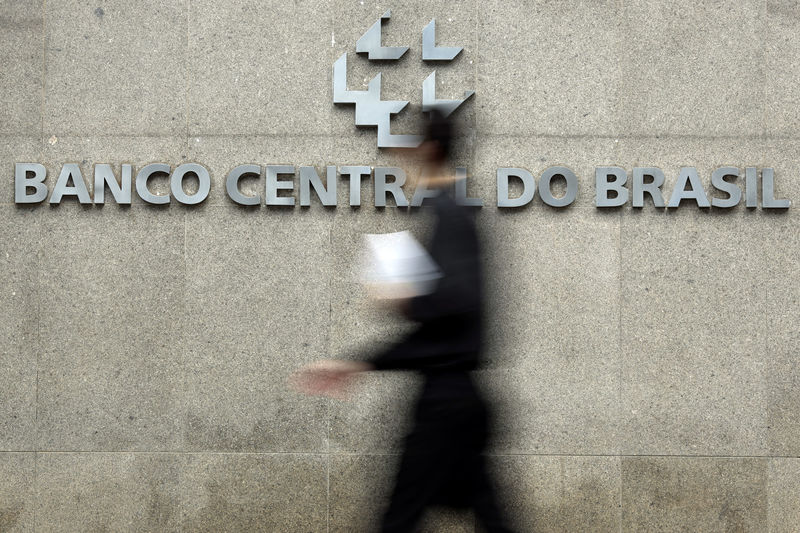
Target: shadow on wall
{"points": [[578, 509], [228, 510], [159, 510], [9, 517]]}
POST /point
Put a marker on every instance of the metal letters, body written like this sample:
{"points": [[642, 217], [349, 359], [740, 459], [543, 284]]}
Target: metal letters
{"points": [[104, 177], [141, 183], [279, 182], [695, 192], [309, 178], [461, 190], [370, 110], [603, 186], [750, 186], [70, 172], [768, 200], [232, 184], [176, 183], [394, 187], [719, 182], [421, 193], [653, 188], [274, 185], [370, 43], [22, 183], [431, 52], [356, 173], [430, 102], [528, 187], [544, 186]]}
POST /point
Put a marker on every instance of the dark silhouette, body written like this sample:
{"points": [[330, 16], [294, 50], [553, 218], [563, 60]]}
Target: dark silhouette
{"points": [[443, 461]]}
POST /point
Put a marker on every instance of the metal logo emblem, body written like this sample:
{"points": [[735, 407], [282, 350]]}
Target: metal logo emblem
{"points": [[370, 110]]}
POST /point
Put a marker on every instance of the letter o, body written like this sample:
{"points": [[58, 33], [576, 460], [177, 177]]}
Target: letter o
{"points": [[544, 186], [176, 183]]}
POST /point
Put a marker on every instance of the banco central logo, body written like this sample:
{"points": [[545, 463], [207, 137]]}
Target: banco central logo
{"points": [[370, 110]]}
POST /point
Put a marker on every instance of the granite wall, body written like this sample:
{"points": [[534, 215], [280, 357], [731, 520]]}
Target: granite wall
{"points": [[643, 362]]}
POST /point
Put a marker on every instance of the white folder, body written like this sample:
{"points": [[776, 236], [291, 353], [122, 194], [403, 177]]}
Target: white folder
{"points": [[396, 265]]}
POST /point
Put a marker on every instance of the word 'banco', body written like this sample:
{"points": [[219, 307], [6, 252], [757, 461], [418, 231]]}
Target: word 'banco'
{"points": [[611, 186]]}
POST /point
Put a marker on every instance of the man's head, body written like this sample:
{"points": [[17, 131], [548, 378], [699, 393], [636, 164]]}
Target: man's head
{"points": [[436, 147]]}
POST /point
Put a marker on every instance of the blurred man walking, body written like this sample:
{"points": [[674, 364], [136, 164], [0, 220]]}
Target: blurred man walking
{"points": [[443, 461]]}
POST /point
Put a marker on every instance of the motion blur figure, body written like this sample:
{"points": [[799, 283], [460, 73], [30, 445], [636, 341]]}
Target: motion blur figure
{"points": [[443, 462]]}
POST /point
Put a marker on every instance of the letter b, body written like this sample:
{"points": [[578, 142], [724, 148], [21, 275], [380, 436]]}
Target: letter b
{"points": [[603, 186], [22, 182]]}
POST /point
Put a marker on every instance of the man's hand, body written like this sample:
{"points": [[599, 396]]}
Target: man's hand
{"points": [[331, 378]]}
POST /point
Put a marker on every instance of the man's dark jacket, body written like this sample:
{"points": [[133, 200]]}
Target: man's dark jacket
{"points": [[442, 462]]}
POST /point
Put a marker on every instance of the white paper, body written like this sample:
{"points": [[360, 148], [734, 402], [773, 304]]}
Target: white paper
{"points": [[396, 265]]}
